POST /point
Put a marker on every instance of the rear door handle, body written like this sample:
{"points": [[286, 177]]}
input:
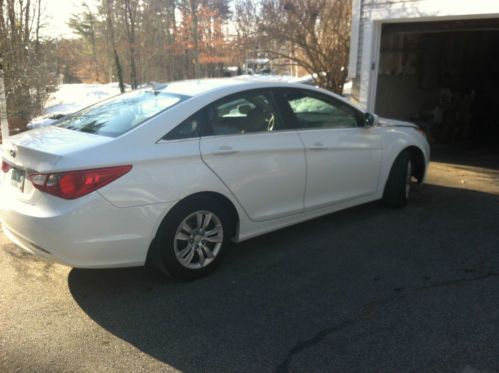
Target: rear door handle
{"points": [[225, 150], [318, 146]]}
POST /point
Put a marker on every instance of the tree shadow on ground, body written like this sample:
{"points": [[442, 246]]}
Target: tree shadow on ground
{"points": [[325, 286]]}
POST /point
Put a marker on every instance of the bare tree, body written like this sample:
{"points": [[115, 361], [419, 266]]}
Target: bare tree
{"points": [[312, 33], [176, 39], [26, 66], [91, 29], [246, 22], [83, 24]]}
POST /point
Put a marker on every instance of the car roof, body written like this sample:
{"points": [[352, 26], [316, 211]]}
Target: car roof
{"points": [[199, 86]]}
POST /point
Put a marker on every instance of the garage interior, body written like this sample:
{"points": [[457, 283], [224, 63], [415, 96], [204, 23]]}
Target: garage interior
{"points": [[444, 76]]}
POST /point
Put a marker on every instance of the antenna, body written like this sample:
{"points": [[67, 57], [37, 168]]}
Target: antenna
{"points": [[157, 86]]}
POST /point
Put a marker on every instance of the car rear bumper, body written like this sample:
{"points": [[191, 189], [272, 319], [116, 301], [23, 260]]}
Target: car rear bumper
{"points": [[84, 233]]}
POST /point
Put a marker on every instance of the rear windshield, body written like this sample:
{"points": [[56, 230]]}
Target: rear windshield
{"points": [[122, 113]]}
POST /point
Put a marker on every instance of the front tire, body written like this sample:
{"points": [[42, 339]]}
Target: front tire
{"points": [[192, 238], [398, 186]]}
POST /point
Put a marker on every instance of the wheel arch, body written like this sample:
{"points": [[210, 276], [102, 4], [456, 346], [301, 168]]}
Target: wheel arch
{"points": [[153, 256], [418, 162], [226, 202]]}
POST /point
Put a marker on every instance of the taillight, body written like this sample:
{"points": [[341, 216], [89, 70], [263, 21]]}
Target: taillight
{"points": [[6, 167], [75, 184]]}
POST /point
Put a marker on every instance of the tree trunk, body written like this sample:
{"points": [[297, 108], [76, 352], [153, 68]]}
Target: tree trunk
{"points": [[130, 28], [93, 42], [12, 20], [2, 21], [26, 22], [172, 28], [37, 52], [195, 35], [119, 70], [3, 105], [38, 25]]}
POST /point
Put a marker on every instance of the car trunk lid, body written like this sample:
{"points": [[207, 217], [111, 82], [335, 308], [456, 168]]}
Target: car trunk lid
{"points": [[38, 151]]}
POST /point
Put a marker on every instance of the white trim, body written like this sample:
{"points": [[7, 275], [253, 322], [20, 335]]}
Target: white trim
{"points": [[437, 18], [371, 49], [354, 38], [373, 79], [430, 9], [365, 67]]}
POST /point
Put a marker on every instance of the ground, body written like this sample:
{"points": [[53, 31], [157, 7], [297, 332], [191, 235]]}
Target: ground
{"points": [[369, 289]]}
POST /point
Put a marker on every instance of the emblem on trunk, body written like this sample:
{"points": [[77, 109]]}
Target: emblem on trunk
{"points": [[12, 153]]}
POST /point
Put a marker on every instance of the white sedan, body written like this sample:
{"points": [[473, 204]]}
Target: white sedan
{"points": [[168, 176]]}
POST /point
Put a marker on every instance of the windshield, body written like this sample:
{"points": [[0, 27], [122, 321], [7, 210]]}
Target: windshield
{"points": [[122, 113]]}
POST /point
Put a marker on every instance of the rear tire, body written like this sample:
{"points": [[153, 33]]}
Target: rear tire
{"points": [[398, 185], [192, 238]]}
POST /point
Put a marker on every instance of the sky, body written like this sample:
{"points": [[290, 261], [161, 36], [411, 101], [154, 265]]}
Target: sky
{"points": [[56, 14]]}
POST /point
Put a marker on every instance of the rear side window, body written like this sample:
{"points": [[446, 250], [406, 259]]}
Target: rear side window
{"points": [[188, 129], [247, 113], [316, 112], [122, 113]]}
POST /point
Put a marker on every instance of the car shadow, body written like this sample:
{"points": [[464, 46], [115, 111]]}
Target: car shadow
{"points": [[283, 293]]}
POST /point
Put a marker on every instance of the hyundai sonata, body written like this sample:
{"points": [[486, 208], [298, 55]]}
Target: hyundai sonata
{"points": [[170, 175]]}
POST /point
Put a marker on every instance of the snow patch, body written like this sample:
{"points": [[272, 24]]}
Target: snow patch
{"points": [[70, 98]]}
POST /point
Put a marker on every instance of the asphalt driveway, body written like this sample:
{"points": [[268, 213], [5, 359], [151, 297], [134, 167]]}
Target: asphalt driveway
{"points": [[369, 289]]}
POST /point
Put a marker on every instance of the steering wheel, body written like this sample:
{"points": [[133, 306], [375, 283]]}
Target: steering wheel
{"points": [[270, 122]]}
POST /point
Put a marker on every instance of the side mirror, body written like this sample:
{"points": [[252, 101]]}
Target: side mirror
{"points": [[369, 120]]}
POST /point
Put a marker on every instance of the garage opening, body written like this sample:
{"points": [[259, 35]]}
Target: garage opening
{"points": [[443, 76]]}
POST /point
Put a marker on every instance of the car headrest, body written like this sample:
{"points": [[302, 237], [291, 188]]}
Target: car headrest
{"points": [[244, 109]]}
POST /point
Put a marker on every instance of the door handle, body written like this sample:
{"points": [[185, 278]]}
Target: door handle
{"points": [[318, 146], [225, 150]]}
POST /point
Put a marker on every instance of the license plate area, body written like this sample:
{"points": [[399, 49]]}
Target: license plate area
{"points": [[17, 179]]}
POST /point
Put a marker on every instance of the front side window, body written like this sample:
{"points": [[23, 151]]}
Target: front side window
{"points": [[314, 113], [248, 113], [122, 113]]}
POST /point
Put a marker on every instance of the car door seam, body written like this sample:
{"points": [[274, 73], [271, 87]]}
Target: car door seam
{"points": [[306, 169], [382, 155], [219, 178]]}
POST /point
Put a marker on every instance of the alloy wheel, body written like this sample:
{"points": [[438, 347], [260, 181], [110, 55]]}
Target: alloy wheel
{"points": [[198, 239]]}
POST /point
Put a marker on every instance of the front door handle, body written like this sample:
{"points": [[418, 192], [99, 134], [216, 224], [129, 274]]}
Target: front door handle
{"points": [[225, 150], [318, 146]]}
